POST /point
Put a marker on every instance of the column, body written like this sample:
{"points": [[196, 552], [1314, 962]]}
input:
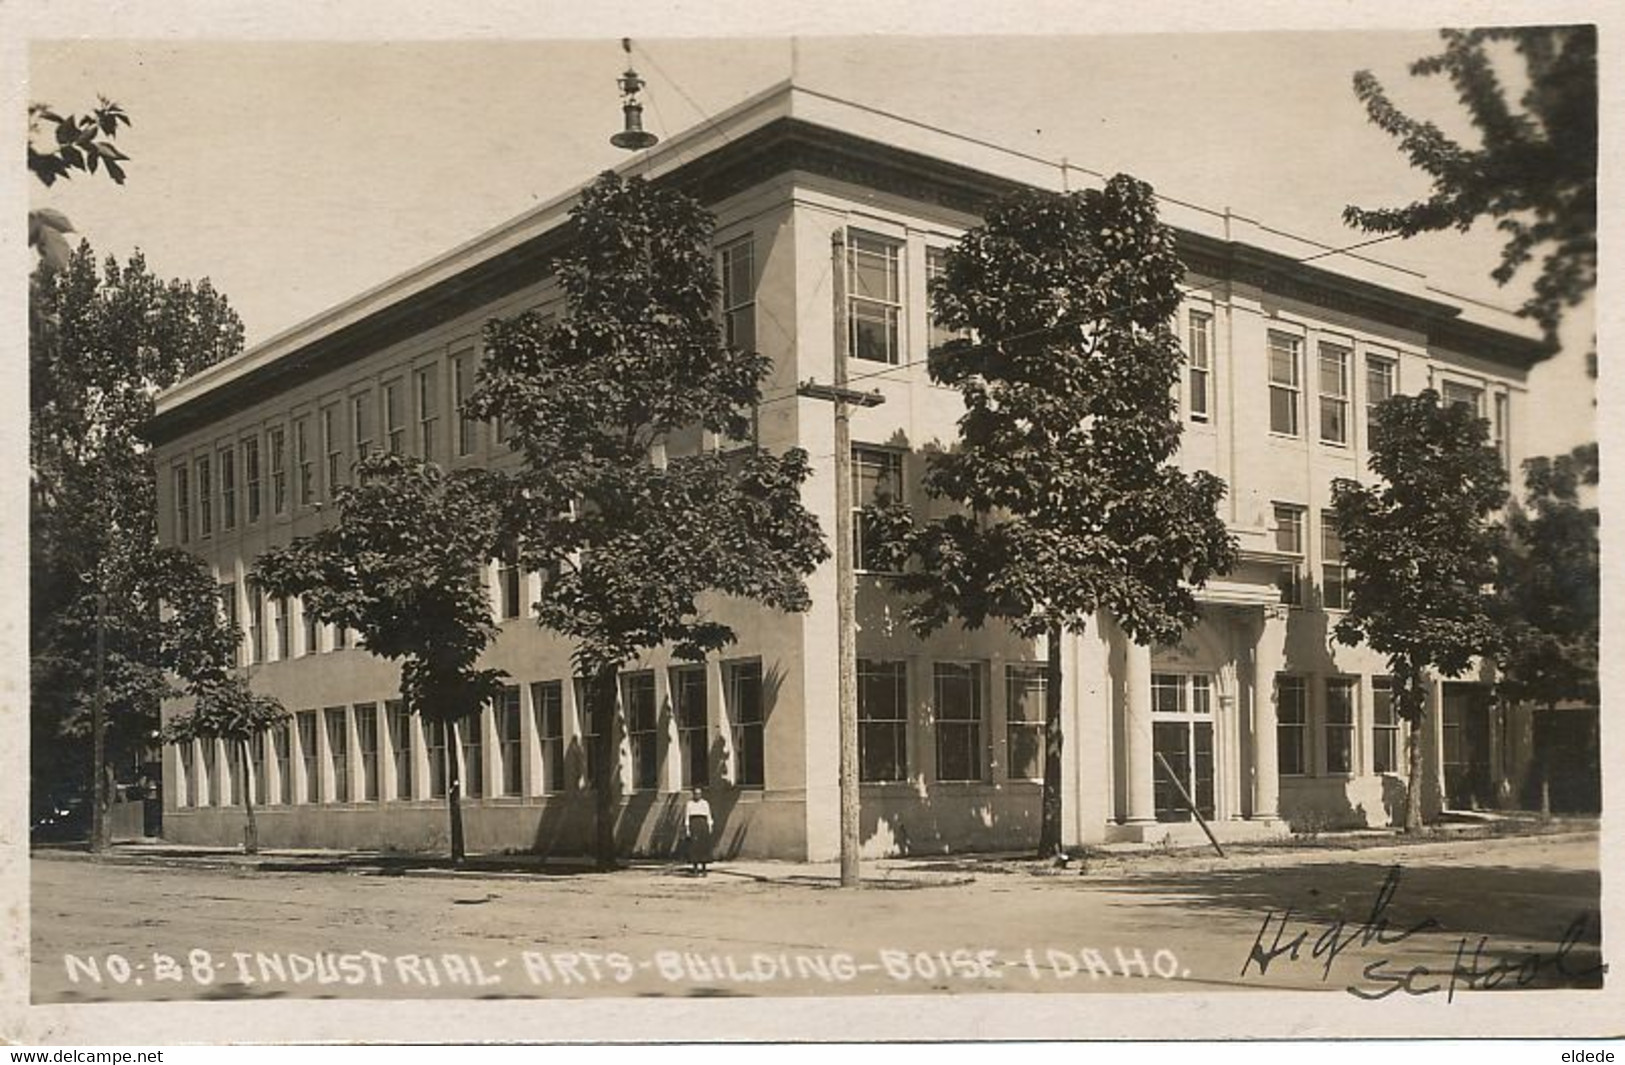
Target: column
{"points": [[1138, 752], [1269, 656]]}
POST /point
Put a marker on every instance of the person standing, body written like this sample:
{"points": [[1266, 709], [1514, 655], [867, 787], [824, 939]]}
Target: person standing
{"points": [[697, 827]]}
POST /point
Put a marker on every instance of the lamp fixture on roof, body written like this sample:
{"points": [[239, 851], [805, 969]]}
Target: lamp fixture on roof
{"points": [[633, 137]]}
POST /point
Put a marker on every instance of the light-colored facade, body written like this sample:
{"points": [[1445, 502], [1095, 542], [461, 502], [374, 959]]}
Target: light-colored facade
{"points": [[1263, 718]]}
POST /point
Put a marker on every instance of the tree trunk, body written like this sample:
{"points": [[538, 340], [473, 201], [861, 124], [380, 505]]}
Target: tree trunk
{"points": [[1049, 830], [251, 831], [1408, 683], [609, 764], [454, 792]]}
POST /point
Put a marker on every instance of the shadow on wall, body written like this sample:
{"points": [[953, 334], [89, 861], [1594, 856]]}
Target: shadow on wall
{"points": [[908, 819]]}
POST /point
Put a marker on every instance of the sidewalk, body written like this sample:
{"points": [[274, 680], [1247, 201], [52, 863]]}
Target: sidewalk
{"points": [[903, 872]]}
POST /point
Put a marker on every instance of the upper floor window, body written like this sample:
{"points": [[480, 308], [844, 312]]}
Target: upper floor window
{"points": [[251, 476], [333, 448], [1333, 574], [874, 297], [738, 264], [1334, 394], [361, 424], [1285, 383], [462, 383], [228, 487], [1381, 382], [183, 505], [1289, 541], [279, 469], [304, 458], [428, 394], [394, 424], [936, 266], [205, 497], [877, 477], [1456, 394], [1501, 430], [1199, 365]]}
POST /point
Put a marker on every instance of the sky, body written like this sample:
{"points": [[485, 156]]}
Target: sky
{"points": [[296, 174]]}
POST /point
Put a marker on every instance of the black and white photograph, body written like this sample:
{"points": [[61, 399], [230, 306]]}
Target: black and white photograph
{"points": [[1084, 526]]}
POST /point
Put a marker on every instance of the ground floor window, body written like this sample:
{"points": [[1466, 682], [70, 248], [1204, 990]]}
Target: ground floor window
{"points": [[186, 785], [643, 736], [366, 736], [399, 723], [586, 700], [338, 746], [1339, 725], [749, 718], [882, 720], [306, 722], [1384, 727], [547, 703], [688, 707], [1026, 704], [1291, 725], [956, 701], [1182, 744], [434, 741], [473, 750], [284, 771], [256, 767], [513, 766]]}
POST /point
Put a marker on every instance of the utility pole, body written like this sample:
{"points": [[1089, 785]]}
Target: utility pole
{"points": [[845, 579]]}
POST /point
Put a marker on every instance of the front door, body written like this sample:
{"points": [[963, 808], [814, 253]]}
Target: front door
{"points": [[1466, 735], [1182, 739]]}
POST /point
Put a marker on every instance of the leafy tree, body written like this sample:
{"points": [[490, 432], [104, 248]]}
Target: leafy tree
{"points": [[1421, 552], [626, 539], [1534, 171], [404, 566], [226, 708], [73, 143], [1071, 504], [105, 341], [1549, 584]]}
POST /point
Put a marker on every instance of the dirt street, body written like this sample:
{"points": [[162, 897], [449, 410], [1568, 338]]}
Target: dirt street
{"points": [[1437, 920]]}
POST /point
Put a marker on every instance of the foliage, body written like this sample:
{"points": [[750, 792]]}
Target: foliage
{"points": [[225, 708], [103, 343], [1549, 584], [626, 538], [404, 566], [1535, 170], [72, 142], [1071, 505], [1421, 550]]}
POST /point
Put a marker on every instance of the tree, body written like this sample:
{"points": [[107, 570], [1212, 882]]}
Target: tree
{"points": [[1070, 503], [76, 143], [104, 342], [1549, 585], [627, 538], [404, 566], [226, 708], [1534, 171], [1421, 551]]}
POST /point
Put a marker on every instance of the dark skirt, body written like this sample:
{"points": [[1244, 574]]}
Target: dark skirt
{"points": [[699, 840]]}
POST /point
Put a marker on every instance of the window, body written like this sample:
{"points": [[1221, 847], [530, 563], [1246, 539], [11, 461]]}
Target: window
{"points": [[280, 608], [1384, 727], [366, 742], [338, 747], [333, 448], [638, 693], [738, 261], [1289, 541], [1381, 383], [1182, 734], [592, 757], [228, 614], [508, 747], [228, 487], [877, 477], [251, 476], [882, 720], [462, 383], [185, 777], [1199, 360], [1501, 430], [206, 780], [183, 505], [306, 721], [508, 580], [279, 470], [748, 713], [256, 626], [1456, 394], [473, 752], [341, 637], [1339, 725], [228, 794], [1334, 394], [310, 626], [1284, 383], [256, 767], [956, 702], [1291, 725], [399, 722], [428, 392], [304, 461], [936, 266], [547, 703], [394, 423], [361, 424], [693, 737], [434, 740], [1334, 576], [284, 772], [205, 497], [1025, 709], [873, 302]]}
